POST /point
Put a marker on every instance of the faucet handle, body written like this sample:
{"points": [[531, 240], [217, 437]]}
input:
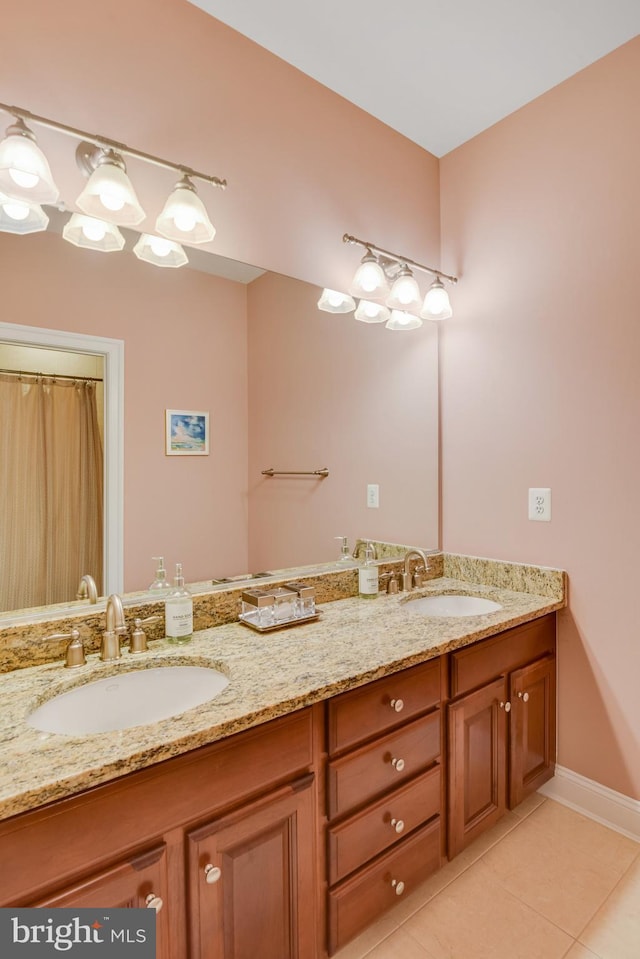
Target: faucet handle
{"points": [[418, 576], [75, 650], [138, 642]]}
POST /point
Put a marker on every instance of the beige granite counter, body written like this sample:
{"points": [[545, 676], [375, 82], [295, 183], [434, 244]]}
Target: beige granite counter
{"points": [[353, 642]]}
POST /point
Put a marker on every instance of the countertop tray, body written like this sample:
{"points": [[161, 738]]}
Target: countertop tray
{"points": [[287, 623]]}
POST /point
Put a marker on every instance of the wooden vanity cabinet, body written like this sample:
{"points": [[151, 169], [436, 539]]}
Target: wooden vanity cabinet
{"points": [[246, 804], [501, 726], [384, 794]]}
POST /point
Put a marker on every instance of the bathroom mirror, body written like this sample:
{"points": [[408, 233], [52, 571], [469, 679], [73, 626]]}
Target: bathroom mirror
{"points": [[287, 387]]}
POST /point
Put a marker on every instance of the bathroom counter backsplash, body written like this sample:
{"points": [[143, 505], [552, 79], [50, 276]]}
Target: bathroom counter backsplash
{"points": [[353, 642]]}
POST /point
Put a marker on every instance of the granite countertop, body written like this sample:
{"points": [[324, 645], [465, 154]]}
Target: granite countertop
{"points": [[353, 642]]}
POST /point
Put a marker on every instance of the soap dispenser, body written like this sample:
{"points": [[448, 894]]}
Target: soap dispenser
{"points": [[368, 575], [160, 582], [345, 559], [178, 611]]}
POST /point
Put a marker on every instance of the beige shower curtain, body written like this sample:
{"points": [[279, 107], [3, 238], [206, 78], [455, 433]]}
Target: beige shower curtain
{"points": [[51, 480]]}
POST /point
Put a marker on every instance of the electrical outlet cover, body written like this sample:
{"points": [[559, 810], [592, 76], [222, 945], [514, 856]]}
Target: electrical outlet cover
{"points": [[540, 504]]}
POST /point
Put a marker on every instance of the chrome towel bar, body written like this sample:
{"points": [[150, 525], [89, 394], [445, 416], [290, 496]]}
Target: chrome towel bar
{"points": [[321, 472]]}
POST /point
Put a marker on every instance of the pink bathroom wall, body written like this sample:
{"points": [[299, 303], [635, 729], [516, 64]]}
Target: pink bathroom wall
{"points": [[540, 382], [185, 336], [328, 391]]}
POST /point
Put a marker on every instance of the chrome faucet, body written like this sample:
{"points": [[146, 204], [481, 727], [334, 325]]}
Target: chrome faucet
{"points": [[115, 627], [87, 589], [406, 583]]}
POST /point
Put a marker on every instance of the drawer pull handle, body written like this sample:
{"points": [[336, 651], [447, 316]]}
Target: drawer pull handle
{"points": [[397, 824], [398, 764], [524, 697], [397, 705], [212, 873], [398, 885], [154, 902], [506, 707]]}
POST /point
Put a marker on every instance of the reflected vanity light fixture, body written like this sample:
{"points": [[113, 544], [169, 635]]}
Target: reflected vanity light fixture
{"points": [[18, 216], [109, 195], [24, 169], [93, 234], [369, 312], [332, 301], [401, 320], [159, 251]]}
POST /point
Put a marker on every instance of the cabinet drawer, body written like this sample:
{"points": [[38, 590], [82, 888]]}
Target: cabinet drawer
{"points": [[358, 901], [378, 826], [372, 770], [363, 713], [482, 662]]}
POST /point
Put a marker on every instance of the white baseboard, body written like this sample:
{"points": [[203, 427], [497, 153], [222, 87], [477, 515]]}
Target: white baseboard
{"points": [[611, 808]]}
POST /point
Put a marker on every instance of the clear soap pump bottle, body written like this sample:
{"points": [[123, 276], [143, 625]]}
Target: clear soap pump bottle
{"points": [[178, 611], [160, 583], [345, 556], [368, 575]]}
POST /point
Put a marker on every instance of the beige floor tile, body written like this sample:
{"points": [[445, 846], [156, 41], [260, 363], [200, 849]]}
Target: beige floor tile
{"points": [[561, 864], [578, 951], [399, 946], [614, 932], [529, 804], [477, 918]]}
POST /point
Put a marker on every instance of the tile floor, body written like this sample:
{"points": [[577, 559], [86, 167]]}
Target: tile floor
{"points": [[545, 883]]}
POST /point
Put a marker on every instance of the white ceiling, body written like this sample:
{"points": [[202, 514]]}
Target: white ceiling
{"points": [[437, 71]]}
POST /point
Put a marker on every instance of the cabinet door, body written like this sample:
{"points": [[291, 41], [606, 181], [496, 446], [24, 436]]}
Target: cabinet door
{"points": [[532, 742], [138, 882], [477, 763], [252, 880]]}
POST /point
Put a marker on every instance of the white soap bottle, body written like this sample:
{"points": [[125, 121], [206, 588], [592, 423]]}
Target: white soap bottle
{"points": [[368, 575], [178, 611]]}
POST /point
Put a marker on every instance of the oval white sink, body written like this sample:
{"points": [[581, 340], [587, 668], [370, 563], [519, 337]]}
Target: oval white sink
{"points": [[453, 605], [128, 699]]}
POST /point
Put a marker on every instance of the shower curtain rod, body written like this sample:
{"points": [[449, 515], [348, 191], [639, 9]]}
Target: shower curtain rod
{"points": [[55, 376]]}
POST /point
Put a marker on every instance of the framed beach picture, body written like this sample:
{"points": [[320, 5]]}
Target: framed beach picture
{"points": [[187, 433]]}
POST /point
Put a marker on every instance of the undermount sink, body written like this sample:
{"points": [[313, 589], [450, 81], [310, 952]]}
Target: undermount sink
{"points": [[451, 605], [128, 699]]}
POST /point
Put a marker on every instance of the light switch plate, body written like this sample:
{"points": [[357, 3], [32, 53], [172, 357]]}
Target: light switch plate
{"points": [[540, 504], [373, 495]]}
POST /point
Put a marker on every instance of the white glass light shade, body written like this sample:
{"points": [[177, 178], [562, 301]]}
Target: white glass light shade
{"points": [[332, 301], [159, 251], [19, 217], [369, 312], [403, 321], [24, 170], [92, 233], [184, 217], [109, 193], [369, 282], [405, 292], [436, 304]]}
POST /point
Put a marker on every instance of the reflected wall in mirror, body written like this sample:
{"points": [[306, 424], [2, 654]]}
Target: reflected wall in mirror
{"points": [[286, 386]]}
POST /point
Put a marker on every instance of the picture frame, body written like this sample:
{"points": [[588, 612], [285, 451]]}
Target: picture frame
{"points": [[186, 433]]}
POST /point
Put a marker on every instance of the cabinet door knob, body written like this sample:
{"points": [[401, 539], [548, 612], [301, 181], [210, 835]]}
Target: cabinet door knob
{"points": [[506, 707], [524, 697], [154, 902], [398, 764], [398, 824], [212, 873], [398, 885], [397, 705]]}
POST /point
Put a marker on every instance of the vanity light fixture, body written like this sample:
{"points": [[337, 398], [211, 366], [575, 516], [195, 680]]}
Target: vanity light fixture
{"points": [[109, 195], [92, 233], [18, 216], [159, 251], [109, 191], [184, 217], [404, 296], [24, 170], [332, 301], [369, 312]]}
